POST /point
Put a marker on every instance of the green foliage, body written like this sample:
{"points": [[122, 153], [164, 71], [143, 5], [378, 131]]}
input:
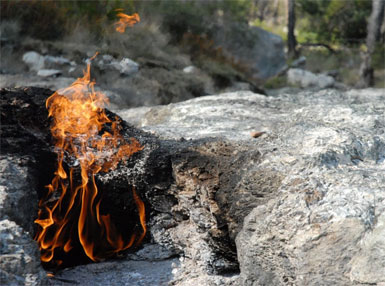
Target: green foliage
{"points": [[276, 29], [334, 21], [196, 17], [39, 19], [276, 82], [50, 19], [378, 57]]}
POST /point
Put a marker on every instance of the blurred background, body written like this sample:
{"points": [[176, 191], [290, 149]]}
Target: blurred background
{"points": [[183, 49]]}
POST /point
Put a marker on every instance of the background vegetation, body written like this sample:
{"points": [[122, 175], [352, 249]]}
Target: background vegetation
{"points": [[340, 25]]}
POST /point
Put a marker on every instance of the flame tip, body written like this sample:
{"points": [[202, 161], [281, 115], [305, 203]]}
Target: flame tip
{"points": [[126, 21]]}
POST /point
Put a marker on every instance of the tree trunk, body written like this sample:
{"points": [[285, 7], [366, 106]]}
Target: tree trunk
{"points": [[374, 24], [262, 7], [276, 12], [291, 40]]}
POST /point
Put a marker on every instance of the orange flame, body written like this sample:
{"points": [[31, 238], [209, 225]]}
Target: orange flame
{"points": [[126, 20], [78, 121]]}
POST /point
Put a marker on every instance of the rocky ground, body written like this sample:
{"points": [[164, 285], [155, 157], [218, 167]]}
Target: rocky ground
{"points": [[143, 66], [241, 189], [316, 191]]}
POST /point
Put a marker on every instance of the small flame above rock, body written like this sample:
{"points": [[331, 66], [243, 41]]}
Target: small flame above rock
{"points": [[126, 21]]}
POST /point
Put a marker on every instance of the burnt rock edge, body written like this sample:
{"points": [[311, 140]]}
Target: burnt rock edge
{"points": [[187, 186]]}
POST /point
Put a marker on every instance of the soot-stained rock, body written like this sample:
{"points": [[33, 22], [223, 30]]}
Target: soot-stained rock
{"points": [[178, 181], [25, 159]]}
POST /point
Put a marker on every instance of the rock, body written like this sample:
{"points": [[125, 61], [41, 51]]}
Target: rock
{"points": [[239, 86], [39, 63], [34, 60], [256, 134], [333, 73], [18, 80], [189, 69], [19, 257], [48, 73], [125, 67], [171, 229], [25, 153], [152, 86], [313, 201], [57, 61], [260, 51], [366, 267], [9, 31], [120, 272], [22, 153], [301, 205], [17, 190], [298, 62], [128, 67], [307, 79]]}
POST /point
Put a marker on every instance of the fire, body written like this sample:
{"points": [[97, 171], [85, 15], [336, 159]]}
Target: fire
{"points": [[91, 143], [126, 20]]}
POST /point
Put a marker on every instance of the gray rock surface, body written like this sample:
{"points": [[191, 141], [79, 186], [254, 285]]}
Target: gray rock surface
{"points": [[48, 73], [301, 61], [25, 80], [289, 186], [52, 61], [17, 190], [306, 79], [184, 219], [125, 67], [119, 272], [319, 220], [33, 60], [22, 146], [39, 63], [260, 51], [19, 257]]}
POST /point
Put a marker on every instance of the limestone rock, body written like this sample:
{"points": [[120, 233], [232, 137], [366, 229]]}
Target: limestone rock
{"points": [[315, 195], [34, 60], [17, 190], [48, 73], [189, 69], [302, 204], [19, 257], [164, 175], [260, 51], [125, 67], [307, 79], [368, 264], [52, 61], [298, 62], [42, 64], [128, 66]]}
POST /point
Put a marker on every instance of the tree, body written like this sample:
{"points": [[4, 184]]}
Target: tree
{"points": [[374, 24], [291, 40], [334, 21]]}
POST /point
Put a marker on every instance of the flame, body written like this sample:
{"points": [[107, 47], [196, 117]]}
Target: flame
{"points": [[126, 20], [78, 128]]}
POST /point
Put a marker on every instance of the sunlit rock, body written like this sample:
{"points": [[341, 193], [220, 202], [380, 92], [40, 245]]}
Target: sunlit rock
{"points": [[306, 79], [300, 204]]}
